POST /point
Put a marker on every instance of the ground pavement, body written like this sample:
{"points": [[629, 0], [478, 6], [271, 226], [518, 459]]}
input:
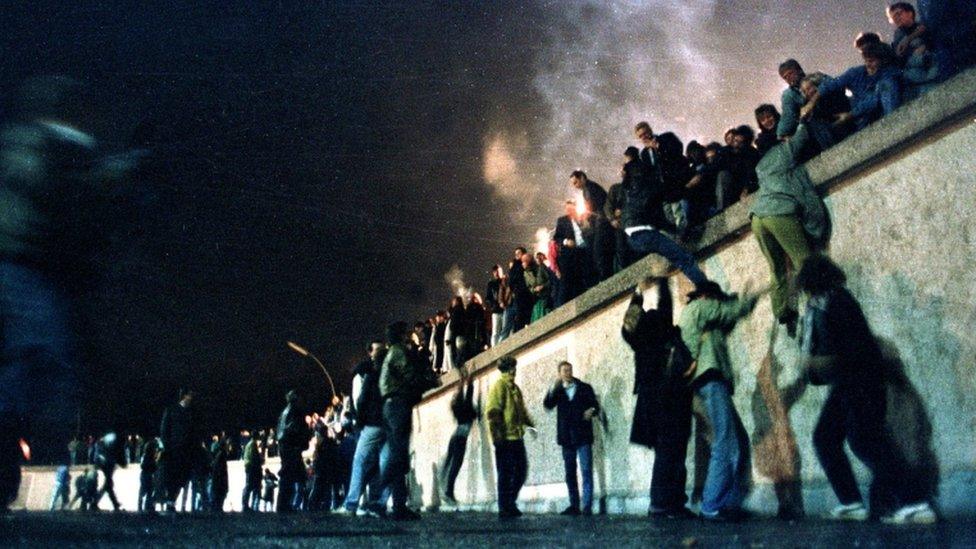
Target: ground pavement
{"points": [[72, 529]]}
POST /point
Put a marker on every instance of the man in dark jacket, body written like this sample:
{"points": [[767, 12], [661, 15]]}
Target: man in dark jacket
{"points": [[372, 435], [219, 481], [662, 415], [576, 406], [574, 236], [403, 380], [109, 453], [293, 438], [522, 299], [176, 435]]}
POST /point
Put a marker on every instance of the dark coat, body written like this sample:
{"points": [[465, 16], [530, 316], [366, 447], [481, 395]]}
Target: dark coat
{"points": [[659, 405], [292, 430], [177, 431], [369, 404], [594, 196], [571, 429]]}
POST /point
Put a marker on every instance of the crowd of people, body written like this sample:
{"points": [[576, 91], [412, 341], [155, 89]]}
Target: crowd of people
{"points": [[360, 449], [668, 190]]}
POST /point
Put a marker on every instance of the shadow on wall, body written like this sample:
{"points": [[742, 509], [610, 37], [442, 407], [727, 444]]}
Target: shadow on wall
{"points": [[908, 423], [777, 455]]}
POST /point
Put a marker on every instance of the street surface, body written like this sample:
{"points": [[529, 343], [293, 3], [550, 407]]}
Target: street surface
{"points": [[73, 529]]}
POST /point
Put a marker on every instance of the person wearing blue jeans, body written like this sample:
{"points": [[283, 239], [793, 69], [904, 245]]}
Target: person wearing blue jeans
{"points": [[645, 240], [576, 406], [723, 485], [705, 323], [365, 466]]}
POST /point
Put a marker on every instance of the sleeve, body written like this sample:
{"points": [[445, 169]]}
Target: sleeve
{"points": [[797, 142], [632, 318], [834, 85], [690, 332], [726, 313], [391, 377], [591, 396], [493, 406], [790, 113], [551, 399]]}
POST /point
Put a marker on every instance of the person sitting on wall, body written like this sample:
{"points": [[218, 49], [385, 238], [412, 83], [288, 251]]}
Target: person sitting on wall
{"points": [[875, 87], [576, 406]]}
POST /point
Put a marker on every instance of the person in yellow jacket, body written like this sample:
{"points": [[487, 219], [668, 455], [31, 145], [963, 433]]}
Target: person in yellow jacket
{"points": [[508, 420]]}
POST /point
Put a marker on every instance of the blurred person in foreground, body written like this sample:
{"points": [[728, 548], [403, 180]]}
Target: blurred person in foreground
{"points": [[55, 186]]}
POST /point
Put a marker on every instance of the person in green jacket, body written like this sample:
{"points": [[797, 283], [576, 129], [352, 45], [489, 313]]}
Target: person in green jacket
{"points": [[789, 220], [537, 280], [705, 322], [507, 421]]}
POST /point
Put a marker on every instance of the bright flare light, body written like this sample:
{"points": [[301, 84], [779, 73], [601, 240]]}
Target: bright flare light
{"points": [[298, 348]]}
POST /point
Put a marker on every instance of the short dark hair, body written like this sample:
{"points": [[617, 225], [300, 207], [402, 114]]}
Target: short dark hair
{"points": [[521, 249], [506, 363], [395, 332], [632, 152], [643, 126], [902, 6], [819, 274], [865, 39], [562, 363], [790, 64], [694, 146], [880, 51], [766, 108], [746, 131], [578, 174], [714, 146]]}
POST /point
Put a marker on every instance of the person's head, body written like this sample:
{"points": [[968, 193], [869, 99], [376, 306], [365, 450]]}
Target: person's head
{"points": [[901, 14], [476, 299], [565, 371], [519, 252], [631, 154], [791, 72], [865, 39], [540, 258], [644, 133], [877, 57], [397, 333], [186, 396], [569, 208], [527, 261], [457, 302], [819, 274], [577, 179], [496, 271], [767, 117], [507, 364], [743, 138], [695, 152], [810, 84], [712, 151], [440, 316], [729, 136], [375, 348]]}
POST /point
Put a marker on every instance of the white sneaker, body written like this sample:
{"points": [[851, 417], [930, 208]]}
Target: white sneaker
{"points": [[918, 513], [851, 511]]}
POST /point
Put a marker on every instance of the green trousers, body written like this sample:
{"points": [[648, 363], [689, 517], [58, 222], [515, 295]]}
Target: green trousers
{"points": [[781, 238]]}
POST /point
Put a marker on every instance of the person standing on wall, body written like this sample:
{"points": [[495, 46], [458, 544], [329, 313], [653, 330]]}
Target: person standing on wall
{"points": [[576, 406]]}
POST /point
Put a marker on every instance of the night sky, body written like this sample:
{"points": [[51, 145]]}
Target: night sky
{"points": [[317, 171]]}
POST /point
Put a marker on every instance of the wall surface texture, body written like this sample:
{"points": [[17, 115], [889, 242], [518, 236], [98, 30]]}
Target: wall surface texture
{"points": [[901, 195]]}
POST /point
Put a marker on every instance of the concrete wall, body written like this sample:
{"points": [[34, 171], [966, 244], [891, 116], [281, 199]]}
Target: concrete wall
{"points": [[902, 196], [38, 485]]}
